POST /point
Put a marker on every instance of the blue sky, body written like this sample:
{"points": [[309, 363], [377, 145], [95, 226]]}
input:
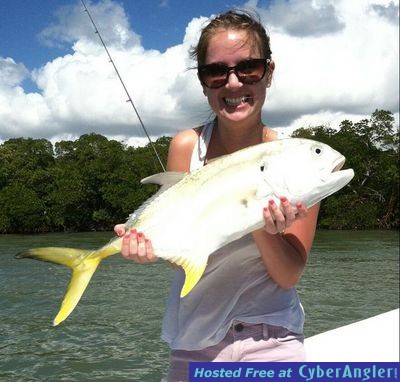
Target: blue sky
{"points": [[160, 24], [335, 60]]}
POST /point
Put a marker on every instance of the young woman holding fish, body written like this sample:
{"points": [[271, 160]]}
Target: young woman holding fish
{"points": [[245, 307]]}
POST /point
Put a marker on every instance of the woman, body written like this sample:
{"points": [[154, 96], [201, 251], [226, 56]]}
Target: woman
{"points": [[245, 307]]}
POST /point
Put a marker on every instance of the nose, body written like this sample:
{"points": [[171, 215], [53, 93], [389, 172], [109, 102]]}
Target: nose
{"points": [[233, 80]]}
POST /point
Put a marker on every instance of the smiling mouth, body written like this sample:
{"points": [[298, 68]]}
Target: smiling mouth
{"points": [[237, 100]]}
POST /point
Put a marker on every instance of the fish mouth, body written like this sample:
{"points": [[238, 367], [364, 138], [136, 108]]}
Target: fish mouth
{"points": [[332, 182], [338, 164], [338, 178], [341, 177]]}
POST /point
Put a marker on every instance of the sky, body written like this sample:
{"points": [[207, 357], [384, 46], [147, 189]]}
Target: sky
{"points": [[335, 60]]}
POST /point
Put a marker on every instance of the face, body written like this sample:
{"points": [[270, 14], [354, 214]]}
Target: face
{"points": [[235, 101]]}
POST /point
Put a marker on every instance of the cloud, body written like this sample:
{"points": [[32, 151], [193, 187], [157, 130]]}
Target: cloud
{"points": [[301, 18], [388, 11], [83, 89], [344, 69], [348, 73], [11, 73], [72, 24], [18, 111]]}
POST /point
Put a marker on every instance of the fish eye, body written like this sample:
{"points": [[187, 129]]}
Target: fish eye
{"points": [[317, 150]]}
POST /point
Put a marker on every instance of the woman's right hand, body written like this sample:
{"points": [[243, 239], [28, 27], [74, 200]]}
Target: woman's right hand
{"points": [[135, 246]]}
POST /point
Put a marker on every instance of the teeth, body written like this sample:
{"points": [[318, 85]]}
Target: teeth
{"points": [[236, 101]]}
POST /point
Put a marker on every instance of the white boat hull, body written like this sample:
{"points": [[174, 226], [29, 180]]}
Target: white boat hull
{"points": [[375, 339]]}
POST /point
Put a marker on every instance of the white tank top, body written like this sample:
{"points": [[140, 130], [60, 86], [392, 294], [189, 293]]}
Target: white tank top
{"points": [[234, 286]]}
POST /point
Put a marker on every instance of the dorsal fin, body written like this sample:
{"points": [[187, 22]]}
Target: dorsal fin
{"points": [[164, 179]]}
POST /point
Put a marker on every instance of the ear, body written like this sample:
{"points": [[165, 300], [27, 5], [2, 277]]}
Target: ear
{"points": [[271, 68], [205, 90], [202, 86]]}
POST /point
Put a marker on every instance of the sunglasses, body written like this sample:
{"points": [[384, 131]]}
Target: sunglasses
{"points": [[248, 72]]}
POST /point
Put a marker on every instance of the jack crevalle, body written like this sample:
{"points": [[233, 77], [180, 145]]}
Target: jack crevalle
{"points": [[192, 215]]}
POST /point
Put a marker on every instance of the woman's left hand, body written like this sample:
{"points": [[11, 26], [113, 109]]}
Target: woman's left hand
{"points": [[278, 219]]}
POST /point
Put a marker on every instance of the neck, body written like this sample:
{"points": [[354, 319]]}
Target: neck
{"points": [[234, 136]]}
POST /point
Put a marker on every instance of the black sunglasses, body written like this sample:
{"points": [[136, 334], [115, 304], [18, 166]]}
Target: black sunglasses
{"points": [[248, 72]]}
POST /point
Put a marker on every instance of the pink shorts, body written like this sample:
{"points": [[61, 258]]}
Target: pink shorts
{"points": [[243, 343]]}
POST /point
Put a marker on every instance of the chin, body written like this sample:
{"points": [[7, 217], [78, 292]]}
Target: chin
{"points": [[237, 115]]}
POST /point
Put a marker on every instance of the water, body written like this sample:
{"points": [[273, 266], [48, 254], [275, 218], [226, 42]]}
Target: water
{"points": [[350, 276], [113, 334]]}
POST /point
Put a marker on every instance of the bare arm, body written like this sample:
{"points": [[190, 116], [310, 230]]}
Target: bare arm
{"points": [[285, 254], [180, 150]]}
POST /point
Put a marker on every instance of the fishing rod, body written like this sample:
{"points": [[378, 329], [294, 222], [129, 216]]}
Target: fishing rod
{"points": [[123, 84]]}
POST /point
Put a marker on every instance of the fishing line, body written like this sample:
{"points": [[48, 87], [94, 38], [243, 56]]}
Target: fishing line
{"points": [[123, 84]]}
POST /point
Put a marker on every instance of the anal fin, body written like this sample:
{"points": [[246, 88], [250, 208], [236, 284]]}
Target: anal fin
{"points": [[193, 273]]}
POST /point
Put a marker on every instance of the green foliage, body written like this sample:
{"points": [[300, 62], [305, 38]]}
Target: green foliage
{"points": [[93, 183], [21, 210], [88, 184]]}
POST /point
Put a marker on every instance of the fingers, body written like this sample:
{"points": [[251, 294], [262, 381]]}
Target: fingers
{"points": [[288, 211], [135, 246], [149, 251], [126, 246], [301, 210], [274, 218], [119, 229], [278, 218]]}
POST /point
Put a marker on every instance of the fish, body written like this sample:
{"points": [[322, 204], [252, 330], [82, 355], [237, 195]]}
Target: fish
{"points": [[193, 214]]}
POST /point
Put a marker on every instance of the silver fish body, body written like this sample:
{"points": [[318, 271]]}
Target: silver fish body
{"points": [[224, 200]]}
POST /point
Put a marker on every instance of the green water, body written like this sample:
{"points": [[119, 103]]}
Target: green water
{"points": [[113, 334]]}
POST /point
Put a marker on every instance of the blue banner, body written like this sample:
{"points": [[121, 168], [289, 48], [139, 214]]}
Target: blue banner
{"points": [[293, 371]]}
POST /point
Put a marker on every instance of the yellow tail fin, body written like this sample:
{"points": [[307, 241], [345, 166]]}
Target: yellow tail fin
{"points": [[82, 265]]}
